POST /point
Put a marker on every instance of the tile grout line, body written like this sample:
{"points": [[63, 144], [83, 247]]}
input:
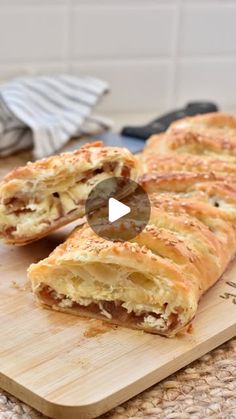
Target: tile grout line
{"points": [[122, 60]]}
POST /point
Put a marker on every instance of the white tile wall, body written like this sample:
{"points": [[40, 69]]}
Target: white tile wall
{"points": [[208, 29], [207, 79], [135, 85], [122, 32], [155, 53], [37, 33]]}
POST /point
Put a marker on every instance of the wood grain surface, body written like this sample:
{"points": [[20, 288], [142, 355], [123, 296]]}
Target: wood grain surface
{"points": [[72, 368]]}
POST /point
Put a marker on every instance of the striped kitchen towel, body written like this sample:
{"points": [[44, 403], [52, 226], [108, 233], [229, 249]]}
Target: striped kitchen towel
{"points": [[44, 112]]}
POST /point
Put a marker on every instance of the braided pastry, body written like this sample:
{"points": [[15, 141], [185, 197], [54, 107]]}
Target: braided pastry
{"points": [[154, 282], [205, 143]]}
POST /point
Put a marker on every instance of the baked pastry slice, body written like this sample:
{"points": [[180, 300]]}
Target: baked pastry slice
{"points": [[153, 282], [45, 195]]}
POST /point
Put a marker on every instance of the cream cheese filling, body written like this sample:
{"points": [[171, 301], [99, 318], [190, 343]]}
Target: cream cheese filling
{"points": [[96, 282], [34, 217]]}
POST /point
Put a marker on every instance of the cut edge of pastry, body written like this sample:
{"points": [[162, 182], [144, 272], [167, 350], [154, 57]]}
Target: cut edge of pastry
{"points": [[48, 194], [150, 318], [121, 282], [81, 312]]}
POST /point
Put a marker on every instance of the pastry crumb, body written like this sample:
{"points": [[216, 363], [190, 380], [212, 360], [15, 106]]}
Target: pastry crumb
{"points": [[19, 286], [98, 328], [190, 328], [84, 362]]}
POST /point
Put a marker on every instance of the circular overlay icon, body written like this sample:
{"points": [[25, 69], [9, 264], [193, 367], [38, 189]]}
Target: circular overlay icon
{"points": [[118, 209]]}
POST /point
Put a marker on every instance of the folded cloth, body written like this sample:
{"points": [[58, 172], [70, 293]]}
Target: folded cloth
{"points": [[45, 112]]}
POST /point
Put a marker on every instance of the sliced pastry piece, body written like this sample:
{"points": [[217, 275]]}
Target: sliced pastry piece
{"points": [[47, 194], [153, 282]]}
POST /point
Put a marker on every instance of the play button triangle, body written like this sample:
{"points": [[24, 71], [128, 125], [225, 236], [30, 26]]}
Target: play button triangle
{"points": [[116, 210], [114, 198]]}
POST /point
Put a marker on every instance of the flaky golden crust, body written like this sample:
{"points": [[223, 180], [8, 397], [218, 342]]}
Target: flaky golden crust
{"points": [[84, 249], [195, 144], [212, 123], [154, 282], [181, 253], [219, 192], [52, 170], [47, 194], [58, 163], [185, 141], [180, 181], [154, 163]]}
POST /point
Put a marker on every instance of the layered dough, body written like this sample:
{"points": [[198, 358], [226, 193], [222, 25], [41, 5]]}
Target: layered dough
{"points": [[49, 193], [155, 281]]}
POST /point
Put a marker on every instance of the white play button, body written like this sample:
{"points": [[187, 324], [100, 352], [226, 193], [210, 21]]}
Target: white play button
{"points": [[116, 210]]}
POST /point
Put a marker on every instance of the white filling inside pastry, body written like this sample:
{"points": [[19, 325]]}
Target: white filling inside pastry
{"points": [[33, 207], [116, 293], [27, 218]]}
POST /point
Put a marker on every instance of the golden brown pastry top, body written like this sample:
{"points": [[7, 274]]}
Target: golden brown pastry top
{"points": [[178, 235], [58, 170], [153, 162], [214, 124], [184, 249], [173, 261], [204, 143], [185, 141], [185, 182], [190, 171]]}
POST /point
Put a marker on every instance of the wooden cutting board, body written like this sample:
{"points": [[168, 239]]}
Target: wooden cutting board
{"points": [[68, 367]]}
